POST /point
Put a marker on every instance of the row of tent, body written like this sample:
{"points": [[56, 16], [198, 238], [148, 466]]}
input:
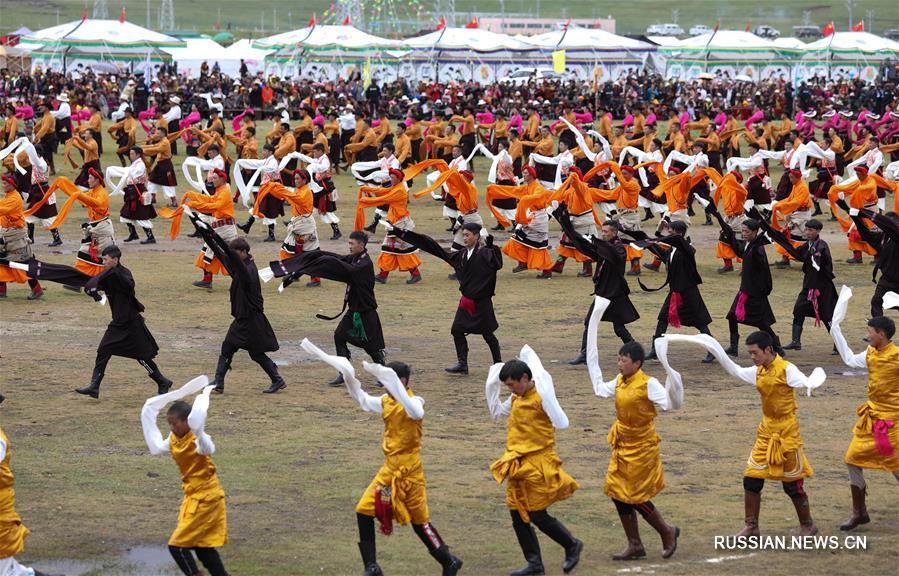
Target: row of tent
{"points": [[329, 51]]}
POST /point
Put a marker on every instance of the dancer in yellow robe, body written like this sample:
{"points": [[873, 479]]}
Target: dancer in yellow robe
{"points": [[777, 453], [14, 243], [530, 466], [875, 437], [398, 490], [202, 524], [634, 475]]}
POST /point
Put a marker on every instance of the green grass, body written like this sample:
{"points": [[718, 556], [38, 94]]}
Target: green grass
{"points": [[632, 17], [293, 465]]}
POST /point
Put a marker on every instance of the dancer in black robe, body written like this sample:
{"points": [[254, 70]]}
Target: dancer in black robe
{"points": [[476, 266], [818, 296], [361, 325], [608, 279], [250, 330], [750, 305], [885, 242], [127, 335], [684, 305]]}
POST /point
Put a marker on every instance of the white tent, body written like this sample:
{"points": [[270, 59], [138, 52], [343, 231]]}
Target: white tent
{"points": [[846, 55], [575, 38], [466, 39], [664, 40], [724, 45], [591, 53], [243, 49], [790, 43], [342, 38], [99, 43], [199, 50]]}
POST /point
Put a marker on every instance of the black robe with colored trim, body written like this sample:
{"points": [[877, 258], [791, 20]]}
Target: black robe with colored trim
{"points": [[477, 279], [886, 243], [683, 278], [755, 277], [127, 335], [358, 273]]}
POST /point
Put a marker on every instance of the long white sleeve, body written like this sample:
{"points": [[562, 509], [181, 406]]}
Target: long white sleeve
{"points": [[541, 159], [197, 422], [174, 113], [674, 384], [678, 156], [64, 111], [2, 450], [744, 163], [152, 406], [797, 379], [601, 387], [543, 381], [498, 408], [367, 402], [747, 375], [581, 141], [657, 394], [606, 147], [878, 160], [836, 332], [776, 156], [413, 405]]}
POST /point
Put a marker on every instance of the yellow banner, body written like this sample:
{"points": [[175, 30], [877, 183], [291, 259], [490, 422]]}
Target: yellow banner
{"points": [[366, 75], [559, 61]]}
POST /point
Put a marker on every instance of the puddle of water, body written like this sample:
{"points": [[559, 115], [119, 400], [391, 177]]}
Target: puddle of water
{"points": [[68, 567], [135, 561], [154, 558]]}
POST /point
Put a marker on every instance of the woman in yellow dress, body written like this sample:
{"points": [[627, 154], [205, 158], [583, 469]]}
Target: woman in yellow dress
{"points": [[875, 437], [202, 524], [397, 492], [777, 453], [532, 469], [634, 476]]}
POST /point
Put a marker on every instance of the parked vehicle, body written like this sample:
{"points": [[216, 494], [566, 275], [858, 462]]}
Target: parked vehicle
{"points": [[523, 76], [892, 34], [699, 30], [664, 30], [806, 31], [766, 31]]}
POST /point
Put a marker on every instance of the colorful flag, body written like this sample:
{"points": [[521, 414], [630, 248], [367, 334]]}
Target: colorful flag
{"points": [[829, 29], [748, 26], [84, 15], [860, 27], [559, 61], [473, 23], [366, 74], [442, 24], [312, 21], [346, 21], [122, 16], [717, 26]]}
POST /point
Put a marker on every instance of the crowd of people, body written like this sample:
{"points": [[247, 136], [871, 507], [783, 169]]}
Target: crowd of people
{"points": [[601, 162]]}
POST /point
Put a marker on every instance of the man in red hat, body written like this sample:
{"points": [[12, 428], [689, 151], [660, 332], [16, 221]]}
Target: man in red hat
{"points": [[795, 210], [627, 202], [220, 208], [860, 193]]}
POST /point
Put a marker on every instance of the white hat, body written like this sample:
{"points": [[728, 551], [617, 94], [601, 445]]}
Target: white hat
{"points": [[460, 93], [481, 103], [63, 97], [405, 98], [130, 82], [175, 100], [415, 100], [350, 107], [218, 95]]}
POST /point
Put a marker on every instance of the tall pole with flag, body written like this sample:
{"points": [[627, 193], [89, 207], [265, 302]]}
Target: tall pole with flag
{"points": [[705, 59]]}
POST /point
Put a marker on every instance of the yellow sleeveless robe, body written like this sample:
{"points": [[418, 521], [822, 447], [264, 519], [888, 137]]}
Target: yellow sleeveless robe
{"points": [[202, 522], [402, 471], [777, 454], [635, 469], [530, 463], [12, 531], [882, 405]]}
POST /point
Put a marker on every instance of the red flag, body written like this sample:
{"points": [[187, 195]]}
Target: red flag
{"points": [[473, 23], [218, 25], [828, 30], [860, 27], [312, 21], [442, 24], [84, 15], [567, 24], [346, 21], [122, 16], [748, 26], [598, 24], [717, 25]]}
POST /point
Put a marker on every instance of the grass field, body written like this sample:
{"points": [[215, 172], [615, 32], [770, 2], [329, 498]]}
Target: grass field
{"points": [[632, 17], [294, 464]]}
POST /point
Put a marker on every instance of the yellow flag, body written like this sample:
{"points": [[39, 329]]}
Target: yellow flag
{"points": [[559, 61], [366, 74]]}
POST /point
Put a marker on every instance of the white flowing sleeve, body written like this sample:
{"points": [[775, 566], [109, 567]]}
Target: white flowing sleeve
{"points": [[776, 156], [367, 402], [581, 141], [836, 332], [150, 412], [890, 300], [678, 156], [635, 152], [33, 157], [742, 163], [606, 148], [878, 160], [674, 384], [197, 164], [891, 172], [602, 388], [413, 405], [2, 450], [797, 379], [197, 422], [657, 394], [498, 408], [544, 384], [541, 159], [747, 375]]}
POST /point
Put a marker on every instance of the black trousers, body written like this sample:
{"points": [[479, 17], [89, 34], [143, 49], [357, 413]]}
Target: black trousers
{"points": [[461, 344], [209, 557], [229, 349], [620, 330], [341, 347], [103, 359], [734, 327]]}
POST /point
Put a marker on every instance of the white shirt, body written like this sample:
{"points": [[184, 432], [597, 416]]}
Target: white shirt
{"points": [[64, 111], [173, 114], [347, 122], [460, 163]]}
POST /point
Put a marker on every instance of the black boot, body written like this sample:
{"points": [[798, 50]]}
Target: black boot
{"points": [[57, 240], [461, 366], [652, 350], [733, 349], [31, 232], [150, 238], [245, 227], [163, 384], [369, 558], [92, 389], [132, 233], [530, 547], [561, 536], [271, 370], [220, 370], [374, 224], [817, 209], [271, 234], [796, 342], [337, 382], [337, 235], [451, 564], [581, 358]]}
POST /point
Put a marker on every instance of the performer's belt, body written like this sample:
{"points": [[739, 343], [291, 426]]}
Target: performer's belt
{"points": [[582, 214], [98, 222], [471, 212], [222, 222]]}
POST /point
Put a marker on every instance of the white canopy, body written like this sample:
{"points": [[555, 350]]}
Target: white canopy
{"points": [[97, 36], [592, 39], [664, 40], [790, 43], [197, 50], [724, 45], [475, 39], [243, 49], [852, 46], [326, 37]]}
